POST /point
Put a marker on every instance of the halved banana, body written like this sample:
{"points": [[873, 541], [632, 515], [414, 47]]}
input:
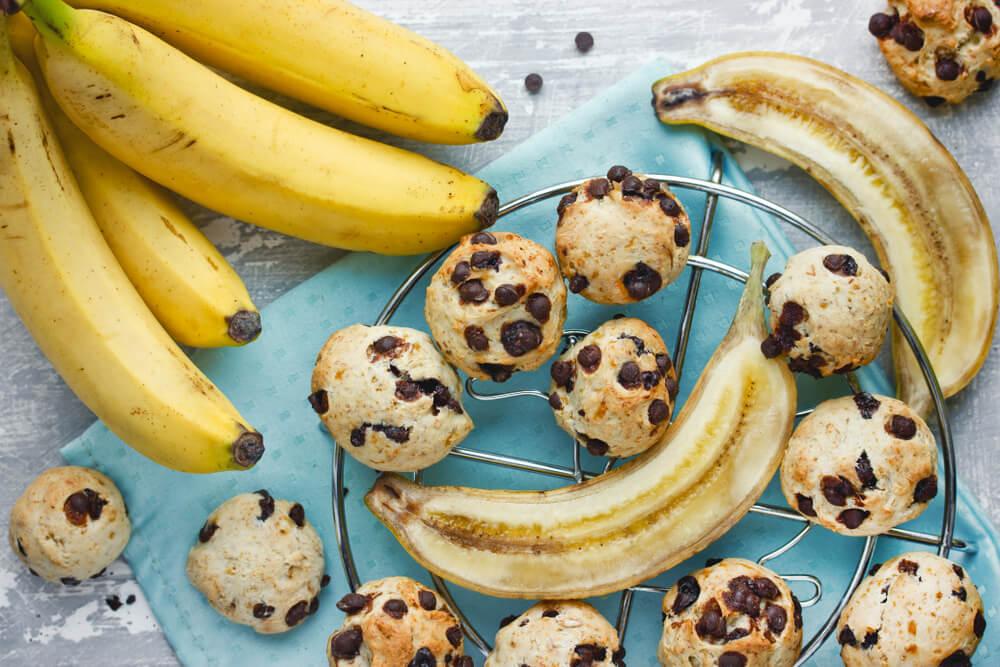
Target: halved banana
{"points": [[885, 166], [632, 523]]}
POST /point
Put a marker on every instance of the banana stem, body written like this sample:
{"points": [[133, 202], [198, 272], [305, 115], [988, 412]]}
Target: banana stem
{"points": [[52, 18], [750, 313]]}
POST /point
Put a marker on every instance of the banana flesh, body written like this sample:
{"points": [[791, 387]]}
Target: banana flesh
{"points": [[187, 283], [627, 525], [189, 129], [83, 312], [883, 164], [333, 55]]}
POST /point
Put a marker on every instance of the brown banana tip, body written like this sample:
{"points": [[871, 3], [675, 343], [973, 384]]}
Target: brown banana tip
{"points": [[10, 7], [492, 126], [674, 96], [244, 326], [487, 213], [248, 449]]}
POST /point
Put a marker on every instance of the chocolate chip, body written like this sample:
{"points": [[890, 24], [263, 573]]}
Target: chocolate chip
{"points": [[805, 504], [472, 291], [262, 610], [475, 338], [554, 402], [642, 281], [618, 173], [737, 633], [810, 365], [711, 625], [658, 411], [880, 25], [863, 467], [797, 612], [947, 69], [296, 613], [313, 605], [871, 638], [520, 337], [115, 603], [565, 202], [629, 374], [688, 591], [578, 283], [669, 206], [765, 588], [732, 659], [206, 532], [843, 265], [908, 35], [709, 562], [652, 188], [386, 345], [550, 613], [454, 635], [589, 653], [563, 372], [979, 624], [352, 603], [663, 363], [358, 435], [589, 358], [671, 384], [70, 581], [298, 515], [599, 187], [770, 347], [742, 597], [985, 83], [597, 447], [777, 618], [618, 657], [901, 427], [631, 185], [423, 658], [867, 404], [395, 608], [533, 82], [847, 637], [461, 273], [980, 19], [584, 41], [427, 600], [497, 372], [836, 490], [959, 572], [852, 518], [956, 659], [462, 661], [325, 580], [407, 390], [925, 489], [319, 401], [483, 238], [347, 643], [682, 235], [934, 100], [486, 259], [505, 295], [507, 620], [539, 306], [791, 314], [266, 503], [960, 593], [82, 504], [873, 570]]}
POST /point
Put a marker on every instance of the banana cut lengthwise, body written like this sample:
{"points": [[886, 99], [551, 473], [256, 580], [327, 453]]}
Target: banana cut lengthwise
{"points": [[189, 129], [83, 312], [184, 280], [886, 167], [632, 523], [333, 55]]}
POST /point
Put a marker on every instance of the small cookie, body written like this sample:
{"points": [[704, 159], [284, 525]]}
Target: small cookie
{"points": [[860, 465], [557, 634], [388, 397], [258, 562], [394, 622], [497, 305], [69, 524], [614, 390], [733, 614], [621, 238], [830, 311], [914, 610], [941, 50]]}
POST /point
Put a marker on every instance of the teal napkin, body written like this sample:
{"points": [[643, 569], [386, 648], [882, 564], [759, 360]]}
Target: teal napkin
{"points": [[269, 382]]}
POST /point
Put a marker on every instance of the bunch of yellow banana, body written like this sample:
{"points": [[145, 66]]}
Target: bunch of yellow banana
{"points": [[632, 523], [191, 289], [75, 299], [186, 127]]}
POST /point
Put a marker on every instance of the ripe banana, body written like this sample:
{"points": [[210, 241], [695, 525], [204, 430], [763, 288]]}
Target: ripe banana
{"points": [[333, 55], [883, 164], [187, 283], [187, 128], [632, 523], [83, 312]]}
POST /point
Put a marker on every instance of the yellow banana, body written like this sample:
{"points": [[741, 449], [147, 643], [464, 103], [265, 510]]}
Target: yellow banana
{"points": [[83, 312], [904, 188], [187, 283], [333, 55], [632, 523], [189, 129]]}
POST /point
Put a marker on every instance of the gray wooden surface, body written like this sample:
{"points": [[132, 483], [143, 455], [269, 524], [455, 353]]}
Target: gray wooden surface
{"points": [[504, 40]]}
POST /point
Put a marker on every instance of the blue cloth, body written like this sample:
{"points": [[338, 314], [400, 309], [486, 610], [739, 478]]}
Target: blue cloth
{"points": [[269, 381]]}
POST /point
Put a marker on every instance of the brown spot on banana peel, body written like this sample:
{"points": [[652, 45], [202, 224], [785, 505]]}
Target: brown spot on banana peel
{"points": [[243, 326], [10, 143], [177, 138], [173, 230]]}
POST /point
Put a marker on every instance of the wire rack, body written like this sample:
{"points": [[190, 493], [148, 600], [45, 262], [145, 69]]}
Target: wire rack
{"points": [[713, 188]]}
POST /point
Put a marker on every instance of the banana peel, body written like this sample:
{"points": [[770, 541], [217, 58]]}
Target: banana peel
{"points": [[885, 166], [632, 523]]}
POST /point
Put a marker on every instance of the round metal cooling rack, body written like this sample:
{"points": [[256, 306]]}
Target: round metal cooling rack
{"points": [[713, 188]]}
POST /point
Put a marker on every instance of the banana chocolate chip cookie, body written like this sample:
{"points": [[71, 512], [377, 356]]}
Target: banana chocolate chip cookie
{"points": [[388, 397], [732, 614], [259, 562], [620, 239], [941, 50], [393, 622], [497, 305], [614, 390]]}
